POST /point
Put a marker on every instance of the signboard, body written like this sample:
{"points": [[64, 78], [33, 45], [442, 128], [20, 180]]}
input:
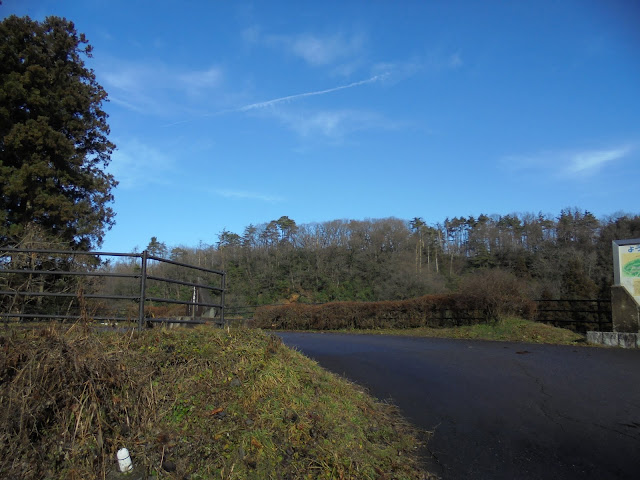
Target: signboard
{"points": [[626, 265]]}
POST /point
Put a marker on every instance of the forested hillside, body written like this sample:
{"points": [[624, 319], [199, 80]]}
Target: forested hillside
{"points": [[568, 256]]}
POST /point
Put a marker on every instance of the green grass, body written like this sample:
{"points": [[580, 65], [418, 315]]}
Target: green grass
{"points": [[509, 329], [189, 403]]}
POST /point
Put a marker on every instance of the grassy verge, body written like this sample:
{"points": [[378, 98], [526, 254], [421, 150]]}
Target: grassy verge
{"points": [[507, 329], [188, 403]]}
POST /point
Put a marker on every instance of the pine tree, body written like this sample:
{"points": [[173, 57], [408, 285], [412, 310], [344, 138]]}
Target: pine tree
{"points": [[53, 135]]}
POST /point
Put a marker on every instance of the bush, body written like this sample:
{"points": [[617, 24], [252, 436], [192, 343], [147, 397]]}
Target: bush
{"points": [[501, 293], [427, 311]]}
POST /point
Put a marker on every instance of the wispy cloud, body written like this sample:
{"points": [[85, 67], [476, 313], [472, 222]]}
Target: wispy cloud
{"points": [[156, 88], [455, 61], [134, 107], [245, 195], [264, 105], [589, 162], [297, 96], [134, 87], [135, 164], [568, 163], [331, 124], [439, 60], [316, 50], [320, 51], [201, 79], [433, 62], [394, 72]]}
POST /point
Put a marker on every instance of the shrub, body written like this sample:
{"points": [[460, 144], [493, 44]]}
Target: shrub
{"points": [[430, 311], [501, 293]]}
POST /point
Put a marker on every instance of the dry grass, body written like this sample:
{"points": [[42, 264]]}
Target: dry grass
{"points": [[187, 403], [508, 329]]}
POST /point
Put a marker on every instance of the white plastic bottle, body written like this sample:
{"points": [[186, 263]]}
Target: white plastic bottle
{"points": [[124, 460]]}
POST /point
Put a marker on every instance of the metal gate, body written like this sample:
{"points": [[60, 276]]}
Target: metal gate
{"points": [[107, 287]]}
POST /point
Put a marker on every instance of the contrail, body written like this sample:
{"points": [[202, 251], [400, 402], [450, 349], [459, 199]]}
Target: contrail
{"points": [[289, 98], [268, 103]]}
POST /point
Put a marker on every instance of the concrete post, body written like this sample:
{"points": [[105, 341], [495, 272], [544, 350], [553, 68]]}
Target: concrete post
{"points": [[625, 311]]}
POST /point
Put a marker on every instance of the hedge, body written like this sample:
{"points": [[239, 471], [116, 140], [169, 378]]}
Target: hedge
{"points": [[428, 311]]}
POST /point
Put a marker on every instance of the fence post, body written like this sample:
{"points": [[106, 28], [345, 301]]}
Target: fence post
{"points": [[224, 282], [600, 312], [143, 289]]}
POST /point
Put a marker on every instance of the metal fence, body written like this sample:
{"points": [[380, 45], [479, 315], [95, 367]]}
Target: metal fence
{"points": [[578, 315], [71, 285]]}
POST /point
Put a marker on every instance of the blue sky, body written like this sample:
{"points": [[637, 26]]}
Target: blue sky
{"points": [[227, 114]]}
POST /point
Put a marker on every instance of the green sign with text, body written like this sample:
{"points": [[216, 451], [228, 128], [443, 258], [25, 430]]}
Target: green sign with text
{"points": [[626, 262]]}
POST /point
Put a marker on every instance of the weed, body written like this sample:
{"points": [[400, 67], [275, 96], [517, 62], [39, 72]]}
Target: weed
{"points": [[509, 329], [203, 402]]}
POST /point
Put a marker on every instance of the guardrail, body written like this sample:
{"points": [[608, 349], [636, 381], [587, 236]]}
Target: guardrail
{"points": [[67, 284]]}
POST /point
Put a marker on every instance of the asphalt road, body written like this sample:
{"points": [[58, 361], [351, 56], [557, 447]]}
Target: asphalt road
{"points": [[501, 410]]}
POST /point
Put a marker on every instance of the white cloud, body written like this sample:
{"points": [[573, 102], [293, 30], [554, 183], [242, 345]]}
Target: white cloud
{"points": [[328, 123], [334, 124], [589, 162], [135, 164], [252, 34], [568, 163], [245, 195], [129, 106], [135, 87], [264, 105], [438, 60], [202, 79], [331, 124], [156, 88], [289, 98], [395, 72], [434, 62], [319, 51], [316, 50], [125, 79], [455, 61]]}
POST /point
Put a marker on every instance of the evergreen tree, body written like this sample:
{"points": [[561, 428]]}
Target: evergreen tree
{"points": [[157, 248], [53, 135]]}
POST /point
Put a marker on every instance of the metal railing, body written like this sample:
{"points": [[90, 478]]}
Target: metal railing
{"points": [[446, 316], [70, 285], [579, 315]]}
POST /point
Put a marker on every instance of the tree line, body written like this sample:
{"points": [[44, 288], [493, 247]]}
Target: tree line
{"points": [[54, 190], [564, 256]]}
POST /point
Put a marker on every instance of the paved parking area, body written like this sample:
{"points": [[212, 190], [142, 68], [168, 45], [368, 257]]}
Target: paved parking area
{"points": [[501, 410]]}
